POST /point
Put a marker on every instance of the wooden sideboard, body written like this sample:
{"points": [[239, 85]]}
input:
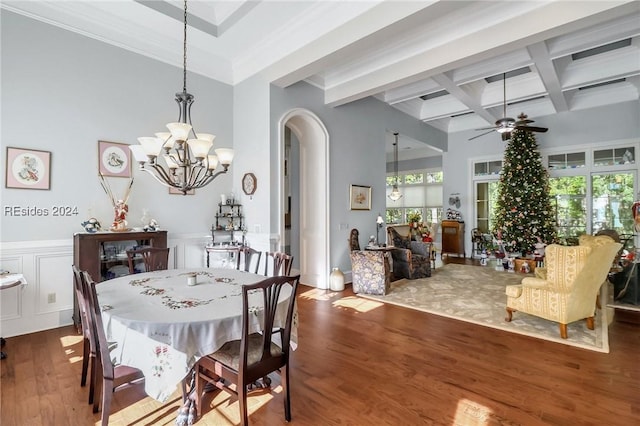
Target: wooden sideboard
{"points": [[102, 253], [452, 238]]}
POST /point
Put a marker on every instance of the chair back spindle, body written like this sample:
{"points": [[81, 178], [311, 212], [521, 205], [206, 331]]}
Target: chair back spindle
{"points": [[154, 258]]}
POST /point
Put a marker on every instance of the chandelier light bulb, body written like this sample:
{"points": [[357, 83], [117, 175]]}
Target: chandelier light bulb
{"points": [[225, 156]]}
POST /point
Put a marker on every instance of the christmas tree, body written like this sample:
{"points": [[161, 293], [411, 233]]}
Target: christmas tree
{"points": [[523, 214]]}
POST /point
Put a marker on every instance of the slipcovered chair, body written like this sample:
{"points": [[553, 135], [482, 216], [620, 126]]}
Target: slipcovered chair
{"points": [[567, 289], [370, 271], [411, 259]]}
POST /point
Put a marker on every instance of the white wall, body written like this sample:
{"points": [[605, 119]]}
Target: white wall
{"points": [[253, 150], [62, 92], [357, 155]]}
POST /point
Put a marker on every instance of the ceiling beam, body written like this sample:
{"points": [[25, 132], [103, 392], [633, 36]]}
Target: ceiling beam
{"points": [[473, 102], [341, 44], [547, 20], [548, 75]]}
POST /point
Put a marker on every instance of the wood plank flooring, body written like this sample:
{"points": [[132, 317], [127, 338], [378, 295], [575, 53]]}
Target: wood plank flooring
{"points": [[363, 363]]}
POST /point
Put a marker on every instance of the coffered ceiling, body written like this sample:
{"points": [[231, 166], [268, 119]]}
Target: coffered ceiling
{"points": [[441, 62]]}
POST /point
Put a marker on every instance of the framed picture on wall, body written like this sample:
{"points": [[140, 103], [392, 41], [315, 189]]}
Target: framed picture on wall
{"points": [[114, 159], [28, 169], [360, 197]]}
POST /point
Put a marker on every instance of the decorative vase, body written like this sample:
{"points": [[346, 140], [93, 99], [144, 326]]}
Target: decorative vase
{"points": [[145, 219], [336, 280]]}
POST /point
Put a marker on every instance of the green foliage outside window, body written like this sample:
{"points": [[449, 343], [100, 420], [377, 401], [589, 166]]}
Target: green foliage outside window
{"points": [[413, 178], [393, 216], [436, 177], [568, 197], [612, 200], [391, 180]]}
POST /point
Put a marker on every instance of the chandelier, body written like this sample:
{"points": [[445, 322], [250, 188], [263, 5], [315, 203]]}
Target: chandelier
{"points": [[395, 194], [180, 158]]}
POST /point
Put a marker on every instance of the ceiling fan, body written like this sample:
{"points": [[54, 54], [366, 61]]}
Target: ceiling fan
{"points": [[506, 125]]}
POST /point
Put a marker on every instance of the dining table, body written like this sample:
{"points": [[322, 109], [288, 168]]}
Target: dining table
{"points": [[162, 322], [9, 280]]}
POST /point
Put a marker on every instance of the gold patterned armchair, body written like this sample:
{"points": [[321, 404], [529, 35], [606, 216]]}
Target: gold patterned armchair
{"points": [[567, 289]]}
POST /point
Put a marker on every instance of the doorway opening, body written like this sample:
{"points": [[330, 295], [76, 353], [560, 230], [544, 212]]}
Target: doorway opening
{"points": [[305, 197]]}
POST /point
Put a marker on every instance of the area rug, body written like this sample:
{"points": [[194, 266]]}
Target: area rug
{"points": [[476, 294]]}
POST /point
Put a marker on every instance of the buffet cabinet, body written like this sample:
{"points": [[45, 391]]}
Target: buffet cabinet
{"points": [[104, 254], [452, 238]]}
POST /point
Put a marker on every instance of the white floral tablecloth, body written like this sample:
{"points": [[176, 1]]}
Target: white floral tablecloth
{"points": [[9, 280], [159, 324]]}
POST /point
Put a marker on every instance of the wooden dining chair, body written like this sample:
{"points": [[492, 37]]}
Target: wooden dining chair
{"points": [[248, 254], [108, 378], [241, 363], [154, 258], [88, 342], [281, 264]]}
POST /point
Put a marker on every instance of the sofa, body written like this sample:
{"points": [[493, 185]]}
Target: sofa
{"points": [[411, 259]]}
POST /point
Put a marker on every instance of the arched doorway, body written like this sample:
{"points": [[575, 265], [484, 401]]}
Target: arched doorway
{"points": [[313, 139]]}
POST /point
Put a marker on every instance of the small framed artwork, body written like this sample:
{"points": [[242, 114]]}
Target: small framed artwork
{"points": [[175, 191], [360, 197], [28, 169], [114, 159]]}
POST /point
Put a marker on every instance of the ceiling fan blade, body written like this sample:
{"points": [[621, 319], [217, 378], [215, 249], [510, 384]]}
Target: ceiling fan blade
{"points": [[532, 129], [527, 121], [481, 134], [486, 128]]}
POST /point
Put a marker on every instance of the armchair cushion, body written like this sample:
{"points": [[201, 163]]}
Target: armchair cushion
{"points": [[420, 248]]}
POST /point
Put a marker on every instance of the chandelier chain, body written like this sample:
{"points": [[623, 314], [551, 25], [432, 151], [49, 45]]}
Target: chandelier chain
{"points": [[185, 164], [184, 50]]}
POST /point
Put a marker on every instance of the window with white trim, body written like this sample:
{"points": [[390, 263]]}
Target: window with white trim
{"points": [[421, 193]]}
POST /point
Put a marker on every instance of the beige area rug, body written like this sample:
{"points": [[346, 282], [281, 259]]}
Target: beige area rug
{"points": [[476, 294]]}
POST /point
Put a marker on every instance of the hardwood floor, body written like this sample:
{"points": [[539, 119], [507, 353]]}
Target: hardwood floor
{"points": [[364, 363]]}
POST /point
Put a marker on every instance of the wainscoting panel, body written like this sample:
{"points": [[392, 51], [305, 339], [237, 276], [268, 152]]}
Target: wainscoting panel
{"points": [[54, 283], [46, 301], [11, 299]]}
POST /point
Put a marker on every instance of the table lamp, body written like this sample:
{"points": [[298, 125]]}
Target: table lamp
{"points": [[379, 223]]}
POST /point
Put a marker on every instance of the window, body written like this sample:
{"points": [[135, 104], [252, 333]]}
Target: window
{"points": [[568, 196], [566, 161], [486, 197], [590, 190], [612, 198], [616, 156], [487, 168], [421, 193]]}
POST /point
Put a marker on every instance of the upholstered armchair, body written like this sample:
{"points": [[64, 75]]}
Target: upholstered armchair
{"points": [[370, 271], [411, 259], [567, 289]]}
